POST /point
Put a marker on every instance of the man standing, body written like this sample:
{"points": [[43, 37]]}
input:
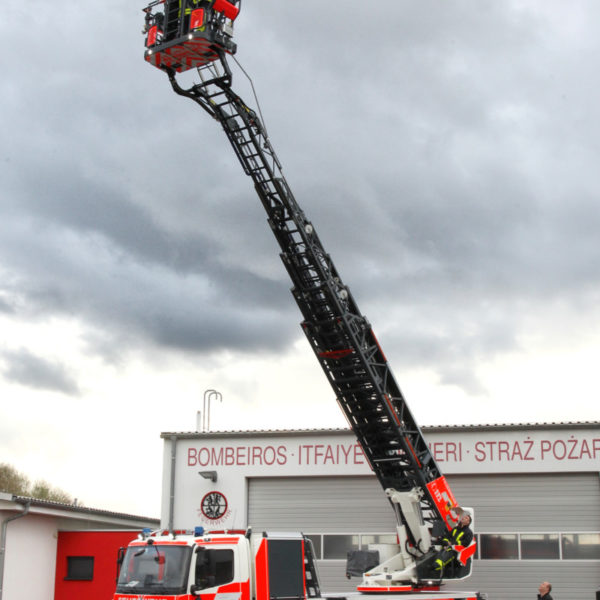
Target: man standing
{"points": [[544, 591]]}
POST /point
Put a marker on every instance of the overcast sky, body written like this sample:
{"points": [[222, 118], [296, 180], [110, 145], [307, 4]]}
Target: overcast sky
{"points": [[446, 152]]}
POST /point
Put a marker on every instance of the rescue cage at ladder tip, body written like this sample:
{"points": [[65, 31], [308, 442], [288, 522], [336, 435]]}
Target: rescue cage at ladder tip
{"points": [[197, 34], [188, 34]]}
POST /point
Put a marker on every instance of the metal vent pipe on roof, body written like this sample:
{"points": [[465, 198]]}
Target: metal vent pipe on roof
{"points": [[203, 418]]}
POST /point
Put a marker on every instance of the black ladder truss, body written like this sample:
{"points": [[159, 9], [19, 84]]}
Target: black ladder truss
{"points": [[340, 336]]}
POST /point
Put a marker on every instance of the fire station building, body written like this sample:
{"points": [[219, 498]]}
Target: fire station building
{"points": [[534, 489]]}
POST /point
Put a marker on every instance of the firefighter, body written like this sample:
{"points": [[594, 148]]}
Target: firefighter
{"points": [[188, 7], [461, 535], [154, 28]]}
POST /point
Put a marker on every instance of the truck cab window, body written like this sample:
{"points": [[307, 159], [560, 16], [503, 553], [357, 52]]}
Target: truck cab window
{"points": [[213, 567], [154, 569]]}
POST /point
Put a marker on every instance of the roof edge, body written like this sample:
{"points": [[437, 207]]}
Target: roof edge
{"points": [[343, 431], [84, 510]]}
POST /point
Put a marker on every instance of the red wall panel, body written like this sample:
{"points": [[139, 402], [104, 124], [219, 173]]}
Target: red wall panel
{"points": [[103, 546]]}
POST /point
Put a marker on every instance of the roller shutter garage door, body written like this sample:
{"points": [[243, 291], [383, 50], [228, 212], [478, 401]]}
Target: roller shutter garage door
{"points": [[321, 505], [531, 502], [561, 502], [536, 503]]}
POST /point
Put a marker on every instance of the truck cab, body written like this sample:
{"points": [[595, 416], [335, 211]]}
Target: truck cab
{"points": [[217, 565]]}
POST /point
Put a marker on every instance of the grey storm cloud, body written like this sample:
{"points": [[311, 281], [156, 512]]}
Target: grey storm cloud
{"points": [[24, 368], [6, 306], [118, 269], [444, 151]]}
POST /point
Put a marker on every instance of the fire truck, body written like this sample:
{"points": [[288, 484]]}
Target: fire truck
{"points": [[184, 35]]}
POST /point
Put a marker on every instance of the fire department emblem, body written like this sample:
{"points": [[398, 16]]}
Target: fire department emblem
{"points": [[213, 505]]}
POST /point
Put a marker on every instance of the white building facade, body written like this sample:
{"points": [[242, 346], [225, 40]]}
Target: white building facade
{"points": [[535, 490], [30, 541]]}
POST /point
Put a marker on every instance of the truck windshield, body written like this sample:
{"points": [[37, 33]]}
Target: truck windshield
{"points": [[155, 569]]}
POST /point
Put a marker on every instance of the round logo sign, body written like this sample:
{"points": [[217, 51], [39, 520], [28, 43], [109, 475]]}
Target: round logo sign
{"points": [[213, 505]]}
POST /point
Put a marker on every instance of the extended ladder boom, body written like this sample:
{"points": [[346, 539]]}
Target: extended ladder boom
{"points": [[339, 334], [341, 337]]}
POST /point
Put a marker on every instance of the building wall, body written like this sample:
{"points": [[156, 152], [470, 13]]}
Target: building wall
{"points": [[542, 502], [537, 481], [31, 568], [103, 546], [335, 511], [234, 458], [30, 561], [521, 505]]}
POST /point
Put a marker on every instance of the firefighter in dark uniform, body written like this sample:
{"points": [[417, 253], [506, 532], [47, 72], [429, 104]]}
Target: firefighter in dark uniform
{"points": [[461, 535], [190, 5]]}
